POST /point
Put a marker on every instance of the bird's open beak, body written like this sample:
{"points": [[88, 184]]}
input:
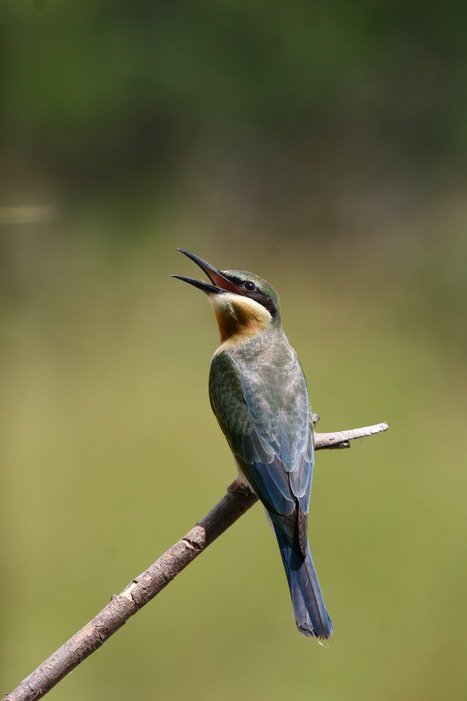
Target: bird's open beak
{"points": [[220, 284]]}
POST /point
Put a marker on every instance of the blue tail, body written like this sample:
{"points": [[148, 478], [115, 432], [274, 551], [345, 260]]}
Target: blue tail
{"points": [[310, 613]]}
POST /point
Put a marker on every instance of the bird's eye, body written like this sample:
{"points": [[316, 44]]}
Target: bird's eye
{"points": [[250, 286]]}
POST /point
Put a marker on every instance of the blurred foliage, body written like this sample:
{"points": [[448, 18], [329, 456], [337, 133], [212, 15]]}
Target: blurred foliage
{"points": [[110, 91], [321, 145]]}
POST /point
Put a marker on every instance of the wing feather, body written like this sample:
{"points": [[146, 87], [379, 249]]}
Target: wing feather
{"points": [[265, 415]]}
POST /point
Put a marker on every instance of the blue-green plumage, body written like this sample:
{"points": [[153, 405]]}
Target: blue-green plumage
{"points": [[259, 395]]}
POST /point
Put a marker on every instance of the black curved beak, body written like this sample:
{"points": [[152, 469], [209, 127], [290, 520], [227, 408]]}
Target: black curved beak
{"points": [[219, 283]]}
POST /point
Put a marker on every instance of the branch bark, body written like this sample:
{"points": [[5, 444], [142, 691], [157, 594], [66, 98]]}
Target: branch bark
{"points": [[150, 582]]}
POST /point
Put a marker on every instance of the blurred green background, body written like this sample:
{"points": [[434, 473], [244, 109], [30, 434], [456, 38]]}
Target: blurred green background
{"points": [[321, 145]]}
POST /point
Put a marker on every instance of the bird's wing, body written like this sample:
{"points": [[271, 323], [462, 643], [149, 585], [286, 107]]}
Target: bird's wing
{"points": [[265, 417]]}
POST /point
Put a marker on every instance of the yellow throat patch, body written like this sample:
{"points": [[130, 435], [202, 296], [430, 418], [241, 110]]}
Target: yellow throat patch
{"points": [[239, 318]]}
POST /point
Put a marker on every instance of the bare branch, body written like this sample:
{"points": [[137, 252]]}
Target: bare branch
{"points": [[341, 439], [148, 584]]}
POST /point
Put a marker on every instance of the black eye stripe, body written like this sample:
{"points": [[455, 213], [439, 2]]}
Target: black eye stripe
{"points": [[255, 293], [233, 278], [266, 301]]}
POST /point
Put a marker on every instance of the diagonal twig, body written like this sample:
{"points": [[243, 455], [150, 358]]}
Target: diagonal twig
{"points": [[150, 582]]}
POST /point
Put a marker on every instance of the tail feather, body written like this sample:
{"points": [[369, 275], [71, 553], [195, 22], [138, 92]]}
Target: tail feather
{"points": [[310, 613]]}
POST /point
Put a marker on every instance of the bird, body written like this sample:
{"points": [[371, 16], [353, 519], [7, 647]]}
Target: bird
{"points": [[259, 396]]}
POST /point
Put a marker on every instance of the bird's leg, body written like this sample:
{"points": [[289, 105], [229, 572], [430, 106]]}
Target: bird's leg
{"points": [[314, 419]]}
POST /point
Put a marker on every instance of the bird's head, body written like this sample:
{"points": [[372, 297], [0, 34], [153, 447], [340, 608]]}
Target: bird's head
{"points": [[244, 304]]}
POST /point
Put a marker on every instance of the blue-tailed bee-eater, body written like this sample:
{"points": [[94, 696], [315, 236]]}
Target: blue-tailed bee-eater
{"points": [[259, 395]]}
